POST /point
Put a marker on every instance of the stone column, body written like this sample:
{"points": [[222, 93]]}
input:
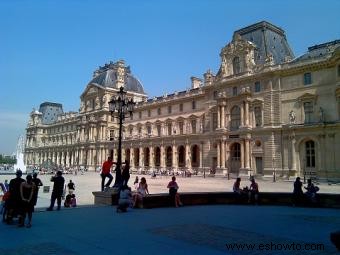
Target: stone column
{"points": [[152, 157], [132, 157], [218, 154], [218, 117], [293, 167], [174, 158], [242, 114], [222, 117], [246, 119], [187, 156], [162, 157], [246, 154], [223, 154], [141, 157], [242, 153], [201, 155]]}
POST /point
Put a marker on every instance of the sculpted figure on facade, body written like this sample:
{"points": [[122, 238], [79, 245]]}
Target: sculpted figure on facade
{"points": [[292, 117]]}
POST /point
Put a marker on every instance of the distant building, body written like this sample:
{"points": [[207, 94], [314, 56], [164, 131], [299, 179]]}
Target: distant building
{"points": [[264, 111]]}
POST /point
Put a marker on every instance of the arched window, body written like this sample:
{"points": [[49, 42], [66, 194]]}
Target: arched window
{"points": [[235, 118], [236, 65], [310, 154]]}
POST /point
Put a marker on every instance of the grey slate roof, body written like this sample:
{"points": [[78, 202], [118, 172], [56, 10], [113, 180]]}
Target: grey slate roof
{"points": [[269, 39], [50, 112], [108, 78]]}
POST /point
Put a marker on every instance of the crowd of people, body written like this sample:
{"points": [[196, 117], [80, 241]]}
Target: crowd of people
{"points": [[20, 196]]}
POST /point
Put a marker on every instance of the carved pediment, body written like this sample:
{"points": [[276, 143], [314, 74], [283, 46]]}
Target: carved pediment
{"points": [[241, 50], [307, 97]]}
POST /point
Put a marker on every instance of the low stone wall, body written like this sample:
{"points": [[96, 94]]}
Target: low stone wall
{"points": [[211, 198]]}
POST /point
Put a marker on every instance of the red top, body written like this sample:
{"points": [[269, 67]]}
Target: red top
{"points": [[106, 169]]}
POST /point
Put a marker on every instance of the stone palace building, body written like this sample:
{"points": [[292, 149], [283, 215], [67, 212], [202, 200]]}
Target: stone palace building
{"points": [[265, 111]]}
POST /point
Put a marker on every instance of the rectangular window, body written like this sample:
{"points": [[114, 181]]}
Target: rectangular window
{"points": [[215, 94], [169, 129], [214, 120], [131, 130], [258, 116], [307, 78], [149, 130], [140, 115], [257, 86], [169, 109], [193, 126], [308, 108], [234, 91], [149, 113], [181, 107], [112, 134], [159, 111], [159, 128], [193, 105], [180, 125], [139, 130]]}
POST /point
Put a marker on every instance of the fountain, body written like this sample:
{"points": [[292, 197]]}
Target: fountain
{"points": [[20, 155]]}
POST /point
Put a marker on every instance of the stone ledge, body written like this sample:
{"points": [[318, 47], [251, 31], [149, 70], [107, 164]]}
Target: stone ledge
{"points": [[210, 198]]}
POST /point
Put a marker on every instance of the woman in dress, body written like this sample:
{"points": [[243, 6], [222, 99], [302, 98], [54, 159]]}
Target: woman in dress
{"points": [[27, 191], [141, 193]]}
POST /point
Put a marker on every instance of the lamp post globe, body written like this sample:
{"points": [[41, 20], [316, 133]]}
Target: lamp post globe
{"points": [[119, 107]]}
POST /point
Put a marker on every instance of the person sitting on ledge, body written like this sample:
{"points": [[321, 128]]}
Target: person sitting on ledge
{"points": [[237, 186], [311, 191], [173, 188], [253, 191], [141, 193]]}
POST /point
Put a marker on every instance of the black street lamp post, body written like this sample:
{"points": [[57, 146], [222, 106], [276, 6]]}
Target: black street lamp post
{"points": [[119, 106]]}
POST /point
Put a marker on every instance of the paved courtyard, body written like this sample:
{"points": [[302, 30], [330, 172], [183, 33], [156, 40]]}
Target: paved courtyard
{"points": [[90, 181], [185, 230]]}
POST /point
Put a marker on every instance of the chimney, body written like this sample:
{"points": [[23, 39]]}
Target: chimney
{"points": [[195, 82]]}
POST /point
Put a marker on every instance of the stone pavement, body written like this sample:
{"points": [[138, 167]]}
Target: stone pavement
{"points": [[185, 230]]}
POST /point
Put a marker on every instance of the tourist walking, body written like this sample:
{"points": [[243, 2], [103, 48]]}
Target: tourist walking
{"points": [[106, 173], [27, 191], [38, 183], [126, 173], [173, 188], [58, 190]]}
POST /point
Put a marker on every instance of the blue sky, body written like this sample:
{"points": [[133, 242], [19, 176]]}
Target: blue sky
{"points": [[49, 49]]}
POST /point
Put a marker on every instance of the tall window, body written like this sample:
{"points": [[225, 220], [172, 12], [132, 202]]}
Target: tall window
{"points": [[193, 126], [169, 109], [181, 107], [258, 116], [112, 134], [310, 154], [169, 129], [140, 115], [193, 105], [159, 128], [214, 120], [215, 94], [257, 86], [307, 78], [149, 113], [149, 130], [235, 118], [236, 65], [236, 152], [308, 108], [180, 125], [234, 91], [159, 111]]}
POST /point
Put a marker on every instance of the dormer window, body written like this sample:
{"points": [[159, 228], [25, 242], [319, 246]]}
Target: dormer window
{"points": [[236, 65], [257, 86], [307, 78], [234, 91]]}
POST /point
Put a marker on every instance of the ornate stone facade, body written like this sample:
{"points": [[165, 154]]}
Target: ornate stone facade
{"points": [[263, 112]]}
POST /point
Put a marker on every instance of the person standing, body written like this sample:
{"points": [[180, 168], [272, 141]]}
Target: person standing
{"points": [[297, 192], [14, 201], [58, 190], [126, 173], [27, 191], [106, 173], [71, 187], [38, 183]]}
